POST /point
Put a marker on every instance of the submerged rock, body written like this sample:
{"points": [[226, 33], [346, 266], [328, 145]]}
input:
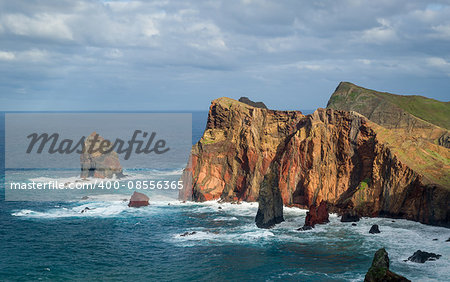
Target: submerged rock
{"points": [[379, 270], [421, 257], [374, 229], [354, 224], [138, 200], [188, 233], [305, 228], [85, 209]]}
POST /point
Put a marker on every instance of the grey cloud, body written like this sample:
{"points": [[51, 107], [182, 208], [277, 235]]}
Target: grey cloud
{"points": [[181, 54]]}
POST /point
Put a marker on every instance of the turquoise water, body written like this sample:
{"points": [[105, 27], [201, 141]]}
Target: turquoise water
{"points": [[55, 241]]}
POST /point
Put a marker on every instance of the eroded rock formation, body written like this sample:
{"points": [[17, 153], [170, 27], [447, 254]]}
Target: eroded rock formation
{"points": [[379, 270], [317, 215], [340, 157], [421, 257], [99, 163]]}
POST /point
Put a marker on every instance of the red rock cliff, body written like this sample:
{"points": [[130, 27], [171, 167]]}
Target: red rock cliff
{"points": [[339, 157]]}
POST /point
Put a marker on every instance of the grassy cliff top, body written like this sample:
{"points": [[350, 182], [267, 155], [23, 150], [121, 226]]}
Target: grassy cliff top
{"points": [[428, 159], [349, 96]]}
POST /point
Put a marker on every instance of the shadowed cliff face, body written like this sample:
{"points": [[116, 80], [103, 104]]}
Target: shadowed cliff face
{"points": [[340, 157]]}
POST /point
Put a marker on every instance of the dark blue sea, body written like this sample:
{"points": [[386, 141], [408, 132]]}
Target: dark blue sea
{"points": [[112, 242]]}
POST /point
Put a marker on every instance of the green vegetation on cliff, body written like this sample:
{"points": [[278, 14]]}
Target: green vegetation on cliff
{"points": [[410, 125], [433, 111], [349, 96]]}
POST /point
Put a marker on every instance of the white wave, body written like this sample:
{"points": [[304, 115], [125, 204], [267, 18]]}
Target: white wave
{"points": [[242, 209], [224, 218], [108, 198], [96, 209], [248, 235]]}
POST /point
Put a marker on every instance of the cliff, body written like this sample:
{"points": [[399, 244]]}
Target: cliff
{"points": [[339, 157], [413, 115], [238, 145]]}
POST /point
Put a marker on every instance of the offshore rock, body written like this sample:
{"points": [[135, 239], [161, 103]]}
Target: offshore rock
{"points": [[379, 270], [374, 229], [138, 200], [317, 215], [99, 163], [421, 257], [341, 157], [270, 209]]}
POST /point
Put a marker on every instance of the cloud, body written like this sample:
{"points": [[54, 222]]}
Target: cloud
{"points": [[51, 26], [438, 62], [381, 34], [7, 56], [113, 54], [185, 53], [442, 31]]}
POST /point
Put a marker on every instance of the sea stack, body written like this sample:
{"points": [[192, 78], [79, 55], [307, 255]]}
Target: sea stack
{"points": [[270, 209], [98, 163], [316, 215], [379, 271]]}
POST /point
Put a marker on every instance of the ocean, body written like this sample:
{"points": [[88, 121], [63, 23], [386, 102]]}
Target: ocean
{"points": [[112, 242]]}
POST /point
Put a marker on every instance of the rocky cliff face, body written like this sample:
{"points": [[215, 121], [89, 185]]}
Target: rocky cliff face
{"points": [[238, 146], [338, 157]]}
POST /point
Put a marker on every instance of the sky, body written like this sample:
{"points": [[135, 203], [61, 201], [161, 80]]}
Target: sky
{"points": [[180, 55]]}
